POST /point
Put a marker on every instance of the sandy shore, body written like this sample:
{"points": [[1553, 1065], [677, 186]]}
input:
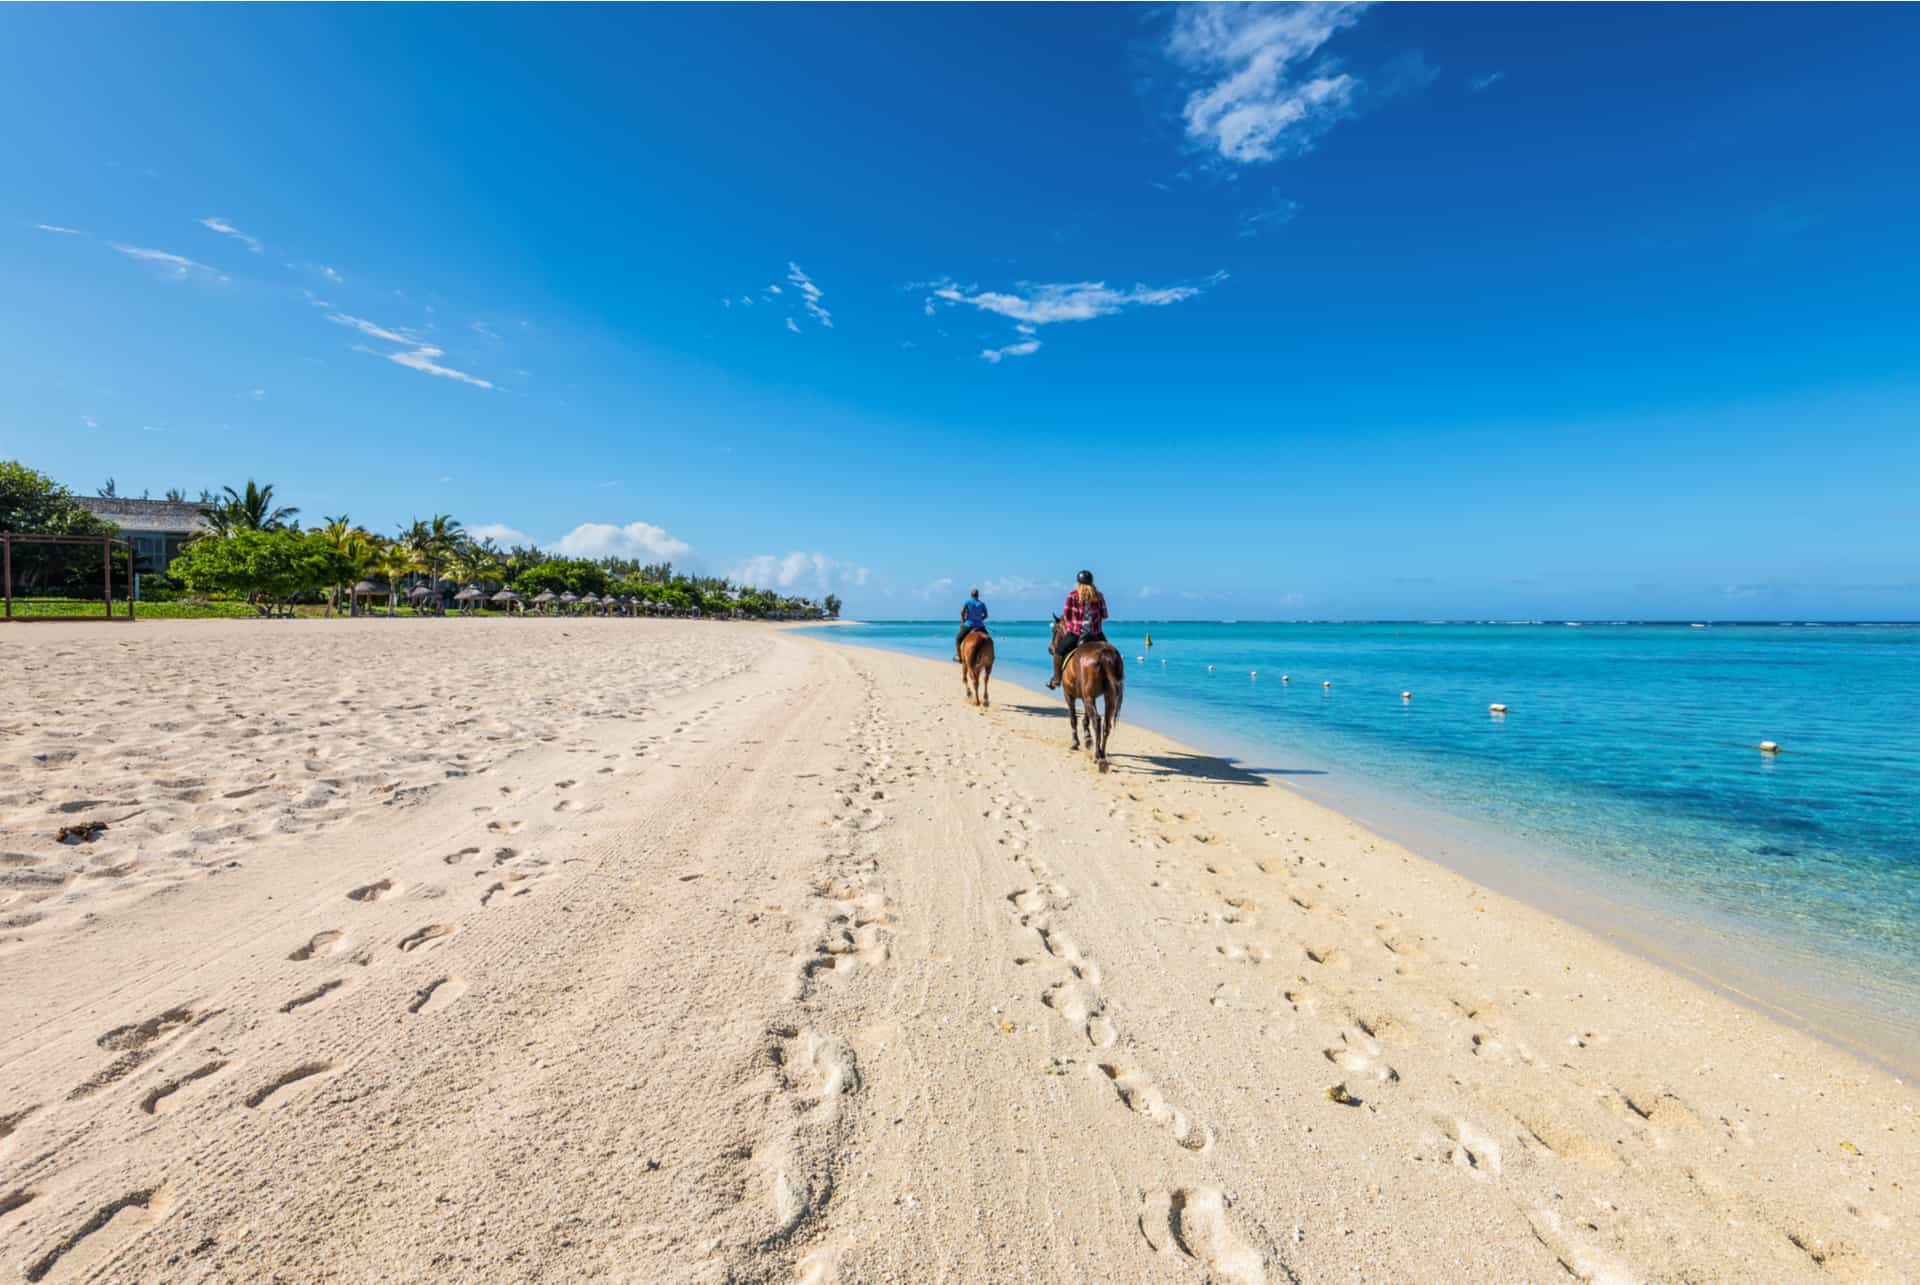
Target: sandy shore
{"points": [[663, 951]]}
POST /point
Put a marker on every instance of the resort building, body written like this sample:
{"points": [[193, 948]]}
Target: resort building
{"points": [[157, 529]]}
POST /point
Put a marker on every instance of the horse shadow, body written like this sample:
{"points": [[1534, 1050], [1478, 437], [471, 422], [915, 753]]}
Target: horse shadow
{"points": [[1204, 767]]}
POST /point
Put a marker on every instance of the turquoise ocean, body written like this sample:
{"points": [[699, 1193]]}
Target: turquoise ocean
{"points": [[1623, 787]]}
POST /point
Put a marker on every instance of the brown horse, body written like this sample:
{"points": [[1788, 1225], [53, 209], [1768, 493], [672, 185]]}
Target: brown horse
{"points": [[1094, 670], [976, 665]]}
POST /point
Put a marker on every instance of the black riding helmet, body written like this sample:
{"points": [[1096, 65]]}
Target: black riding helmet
{"points": [[1085, 577]]}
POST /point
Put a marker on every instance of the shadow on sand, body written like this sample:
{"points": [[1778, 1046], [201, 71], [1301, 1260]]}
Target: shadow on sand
{"points": [[1198, 767], [1202, 767]]}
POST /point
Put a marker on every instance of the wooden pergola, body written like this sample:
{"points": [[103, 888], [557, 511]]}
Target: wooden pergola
{"points": [[10, 538]]}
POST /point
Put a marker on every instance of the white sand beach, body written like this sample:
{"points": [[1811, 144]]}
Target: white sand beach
{"points": [[660, 951]]}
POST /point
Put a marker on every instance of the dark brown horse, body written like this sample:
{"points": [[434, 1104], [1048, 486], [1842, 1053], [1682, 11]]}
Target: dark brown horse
{"points": [[976, 665], [1093, 671]]}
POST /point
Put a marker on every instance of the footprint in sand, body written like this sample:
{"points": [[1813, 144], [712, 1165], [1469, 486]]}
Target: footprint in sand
{"points": [[320, 945], [1359, 1054], [1143, 1097], [373, 891], [139, 1035], [89, 1247], [276, 1090], [505, 826], [1193, 1221], [168, 1098], [1247, 954], [1328, 956], [455, 858], [427, 936], [437, 995], [322, 992]]}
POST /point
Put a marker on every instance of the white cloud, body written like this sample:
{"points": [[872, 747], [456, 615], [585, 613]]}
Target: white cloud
{"points": [[634, 540], [426, 360], [811, 301], [258, 393], [178, 265], [1043, 305], [772, 288], [366, 327], [793, 325], [55, 227], [1278, 214], [224, 228], [1016, 586], [805, 571], [482, 328], [501, 534], [1025, 348], [935, 589], [331, 275], [1258, 99], [1488, 81], [90, 421]]}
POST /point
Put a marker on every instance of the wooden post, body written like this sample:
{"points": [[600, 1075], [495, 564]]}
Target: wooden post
{"points": [[6, 544], [106, 570], [133, 581]]}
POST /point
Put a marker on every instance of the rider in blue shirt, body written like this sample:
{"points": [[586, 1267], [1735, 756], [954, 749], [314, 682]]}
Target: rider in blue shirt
{"points": [[973, 615]]}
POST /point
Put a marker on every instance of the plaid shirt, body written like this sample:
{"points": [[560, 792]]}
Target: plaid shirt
{"points": [[1083, 622]]}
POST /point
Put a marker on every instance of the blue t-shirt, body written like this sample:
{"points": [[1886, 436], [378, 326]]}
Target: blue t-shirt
{"points": [[975, 612]]}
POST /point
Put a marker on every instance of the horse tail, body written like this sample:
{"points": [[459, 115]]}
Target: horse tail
{"points": [[1115, 669]]}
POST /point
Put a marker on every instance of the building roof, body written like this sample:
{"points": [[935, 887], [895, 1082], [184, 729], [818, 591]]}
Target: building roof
{"points": [[176, 517]]}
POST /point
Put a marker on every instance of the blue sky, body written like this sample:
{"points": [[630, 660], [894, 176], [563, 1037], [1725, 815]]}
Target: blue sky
{"points": [[1402, 311]]}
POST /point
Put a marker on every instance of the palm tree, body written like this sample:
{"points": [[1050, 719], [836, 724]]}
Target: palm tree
{"points": [[352, 543], [249, 510], [396, 562], [444, 537]]}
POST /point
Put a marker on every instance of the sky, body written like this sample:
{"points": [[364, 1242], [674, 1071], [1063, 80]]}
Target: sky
{"points": [[1257, 312]]}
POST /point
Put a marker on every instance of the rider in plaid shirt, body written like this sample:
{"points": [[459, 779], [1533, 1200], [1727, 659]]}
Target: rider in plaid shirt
{"points": [[1085, 612]]}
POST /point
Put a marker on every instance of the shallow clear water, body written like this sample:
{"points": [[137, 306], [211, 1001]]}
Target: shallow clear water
{"points": [[1628, 754]]}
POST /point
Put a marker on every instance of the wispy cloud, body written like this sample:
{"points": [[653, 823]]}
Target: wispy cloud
{"points": [[178, 266], [90, 421], [793, 325], [55, 227], [1259, 94], [366, 327], [1278, 214], [502, 534], [1025, 348], [330, 274], [1032, 305], [798, 570], [224, 228], [1487, 81], [482, 328], [426, 359], [632, 540], [811, 292], [258, 394], [1045, 305]]}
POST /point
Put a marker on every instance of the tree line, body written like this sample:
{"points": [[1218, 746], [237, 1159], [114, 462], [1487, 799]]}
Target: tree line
{"points": [[252, 546]]}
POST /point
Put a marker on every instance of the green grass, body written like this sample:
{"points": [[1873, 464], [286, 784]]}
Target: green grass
{"points": [[31, 607]]}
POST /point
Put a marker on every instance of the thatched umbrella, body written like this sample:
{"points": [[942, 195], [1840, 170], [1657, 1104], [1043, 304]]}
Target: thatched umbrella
{"points": [[365, 589], [590, 601], [468, 596], [545, 598], [506, 599]]}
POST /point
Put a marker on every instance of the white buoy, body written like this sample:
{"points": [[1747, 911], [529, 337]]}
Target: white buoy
{"points": [[1326, 683], [1254, 673], [1209, 669], [1163, 660], [1141, 659], [1497, 709], [1769, 747], [1406, 696], [1283, 678]]}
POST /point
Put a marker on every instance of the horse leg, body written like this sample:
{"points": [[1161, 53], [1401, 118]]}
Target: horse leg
{"points": [[1073, 719], [986, 676]]}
